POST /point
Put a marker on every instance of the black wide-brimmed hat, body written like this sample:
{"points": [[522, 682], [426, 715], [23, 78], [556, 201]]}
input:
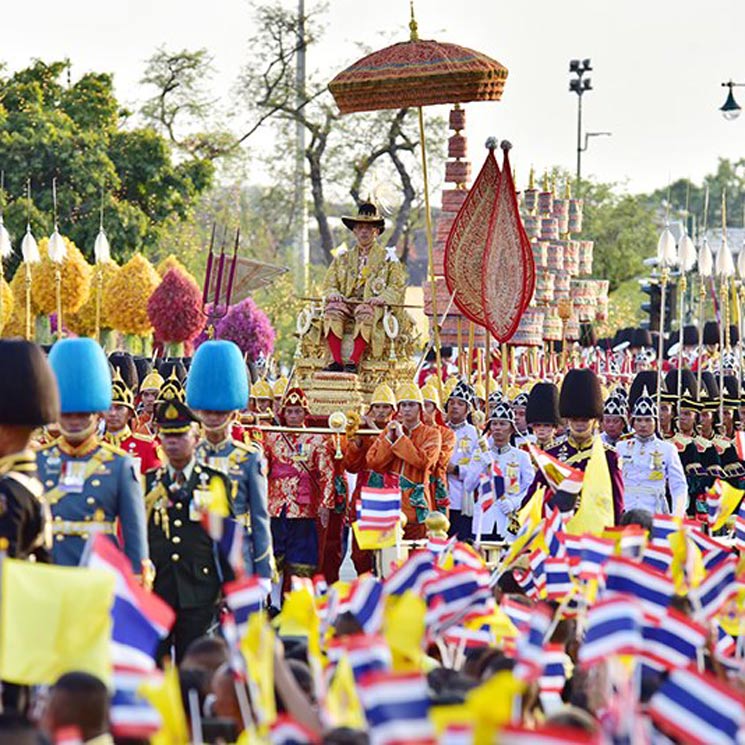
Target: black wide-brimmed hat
{"points": [[28, 388], [367, 213]]}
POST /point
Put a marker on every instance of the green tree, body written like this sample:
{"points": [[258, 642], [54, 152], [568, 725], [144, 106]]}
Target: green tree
{"points": [[624, 229], [74, 132]]}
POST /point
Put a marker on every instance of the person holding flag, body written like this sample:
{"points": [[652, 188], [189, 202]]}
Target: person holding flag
{"points": [[149, 388], [432, 416], [581, 404], [513, 464]]}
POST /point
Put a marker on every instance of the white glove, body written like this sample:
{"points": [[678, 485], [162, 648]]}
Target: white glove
{"points": [[505, 506]]}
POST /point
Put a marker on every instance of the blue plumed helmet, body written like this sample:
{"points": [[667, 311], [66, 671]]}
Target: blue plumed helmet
{"points": [[83, 376], [217, 378]]}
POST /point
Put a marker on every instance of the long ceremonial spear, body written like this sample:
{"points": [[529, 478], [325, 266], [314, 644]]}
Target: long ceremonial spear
{"points": [[725, 268], [705, 270]]}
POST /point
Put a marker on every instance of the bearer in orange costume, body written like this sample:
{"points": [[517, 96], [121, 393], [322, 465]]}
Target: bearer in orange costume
{"points": [[141, 448], [411, 450], [382, 406], [301, 490], [143, 423], [432, 415]]}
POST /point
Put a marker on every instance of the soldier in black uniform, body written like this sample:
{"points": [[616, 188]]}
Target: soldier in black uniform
{"points": [[188, 570], [28, 399]]}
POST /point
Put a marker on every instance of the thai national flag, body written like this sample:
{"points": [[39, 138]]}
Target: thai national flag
{"points": [[244, 597], [740, 527], [662, 526], [659, 558], [573, 545], [396, 707], [595, 552], [558, 579], [140, 619], [613, 628], [673, 642], [491, 487], [648, 586], [740, 444], [286, 731], [412, 574], [715, 590], [697, 708], [530, 646], [537, 560], [451, 595], [713, 503], [725, 645], [364, 602], [227, 533], [553, 530], [517, 612], [232, 638], [367, 653], [380, 509], [553, 677], [465, 555]]}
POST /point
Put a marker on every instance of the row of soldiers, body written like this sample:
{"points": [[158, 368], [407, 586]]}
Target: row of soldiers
{"points": [[294, 492]]}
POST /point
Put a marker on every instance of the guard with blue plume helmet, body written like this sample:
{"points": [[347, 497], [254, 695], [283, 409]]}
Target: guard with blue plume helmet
{"points": [[89, 484], [217, 389]]}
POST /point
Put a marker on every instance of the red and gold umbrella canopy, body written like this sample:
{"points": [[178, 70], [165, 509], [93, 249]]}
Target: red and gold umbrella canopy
{"points": [[418, 73]]}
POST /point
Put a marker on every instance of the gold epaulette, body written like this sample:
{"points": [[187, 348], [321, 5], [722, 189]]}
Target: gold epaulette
{"points": [[112, 449], [48, 445], [247, 447], [142, 438]]}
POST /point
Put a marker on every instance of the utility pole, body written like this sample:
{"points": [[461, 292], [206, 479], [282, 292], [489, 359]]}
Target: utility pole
{"points": [[301, 204]]}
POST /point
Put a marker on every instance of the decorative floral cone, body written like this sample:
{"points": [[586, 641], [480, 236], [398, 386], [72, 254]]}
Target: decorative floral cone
{"points": [[16, 324], [249, 327], [83, 323], [76, 280], [171, 262], [7, 303], [175, 309], [125, 303]]}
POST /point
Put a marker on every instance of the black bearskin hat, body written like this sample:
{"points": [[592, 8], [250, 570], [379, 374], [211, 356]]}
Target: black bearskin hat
{"points": [[543, 404], [581, 396]]}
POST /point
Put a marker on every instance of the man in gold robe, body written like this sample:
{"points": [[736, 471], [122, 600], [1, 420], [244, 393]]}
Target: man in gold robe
{"points": [[358, 285]]}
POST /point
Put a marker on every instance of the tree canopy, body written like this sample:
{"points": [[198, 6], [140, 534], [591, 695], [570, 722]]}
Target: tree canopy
{"points": [[78, 133]]}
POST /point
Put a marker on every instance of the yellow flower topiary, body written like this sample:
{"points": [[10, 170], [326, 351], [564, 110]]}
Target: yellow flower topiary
{"points": [[83, 323], [16, 324], [76, 280], [171, 262], [7, 301], [125, 301]]}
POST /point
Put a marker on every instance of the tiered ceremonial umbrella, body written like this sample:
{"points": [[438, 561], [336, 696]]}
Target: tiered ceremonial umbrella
{"points": [[419, 73]]}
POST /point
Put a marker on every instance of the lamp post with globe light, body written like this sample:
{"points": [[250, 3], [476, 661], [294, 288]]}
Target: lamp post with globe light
{"points": [[731, 109]]}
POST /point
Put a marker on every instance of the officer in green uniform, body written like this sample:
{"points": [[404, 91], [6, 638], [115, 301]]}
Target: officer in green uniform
{"points": [[188, 569], [217, 388], [90, 486]]}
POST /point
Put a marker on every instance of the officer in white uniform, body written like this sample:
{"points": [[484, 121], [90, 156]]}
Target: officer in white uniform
{"points": [[651, 466], [514, 464]]}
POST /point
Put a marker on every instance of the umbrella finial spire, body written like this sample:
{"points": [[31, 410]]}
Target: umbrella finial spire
{"points": [[412, 23]]}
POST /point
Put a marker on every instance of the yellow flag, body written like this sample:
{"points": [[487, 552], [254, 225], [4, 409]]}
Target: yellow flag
{"points": [[446, 716], [165, 698], [529, 535], [499, 625], [730, 499], [403, 629], [54, 620], [218, 498], [258, 649], [687, 567], [491, 705], [369, 540], [533, 510], [595, 509], [342, 702]]}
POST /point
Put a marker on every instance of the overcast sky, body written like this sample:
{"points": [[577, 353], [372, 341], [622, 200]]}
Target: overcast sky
{"points": [[658, 66]]}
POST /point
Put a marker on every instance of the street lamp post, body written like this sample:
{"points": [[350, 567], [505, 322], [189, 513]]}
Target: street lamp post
{"points": [[731, 109], [579, 85]]}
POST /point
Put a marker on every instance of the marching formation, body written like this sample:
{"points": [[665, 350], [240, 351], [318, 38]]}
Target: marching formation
{"points": [[557, 559]]}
